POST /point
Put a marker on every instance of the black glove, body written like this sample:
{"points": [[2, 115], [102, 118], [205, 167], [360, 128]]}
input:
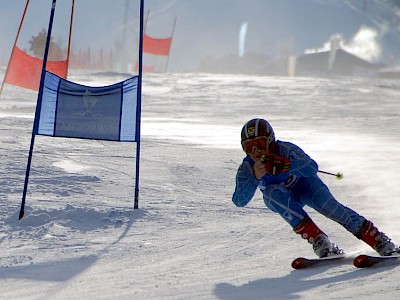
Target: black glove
{"points": [[276, 164]]}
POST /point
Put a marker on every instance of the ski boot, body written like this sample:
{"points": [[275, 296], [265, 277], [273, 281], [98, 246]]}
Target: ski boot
{"points": [[323, 247], [376, 239], [321, 244]]}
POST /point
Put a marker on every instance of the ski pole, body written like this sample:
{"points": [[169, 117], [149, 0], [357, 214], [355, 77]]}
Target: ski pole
{"points": [[338, 175]]}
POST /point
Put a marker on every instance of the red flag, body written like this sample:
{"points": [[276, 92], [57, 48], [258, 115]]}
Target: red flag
{"points": [[25, 70], [148, 69], [156, 46]]}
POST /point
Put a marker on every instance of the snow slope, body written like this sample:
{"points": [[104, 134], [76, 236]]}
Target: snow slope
{"points": [[81, 237]]}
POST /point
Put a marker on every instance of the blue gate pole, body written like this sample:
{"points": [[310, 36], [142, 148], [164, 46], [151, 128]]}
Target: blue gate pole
{"points": [[37, 111], [139, 106]]}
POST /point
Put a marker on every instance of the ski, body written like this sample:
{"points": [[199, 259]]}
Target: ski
{"points": [[302, 262], [366, 261]]}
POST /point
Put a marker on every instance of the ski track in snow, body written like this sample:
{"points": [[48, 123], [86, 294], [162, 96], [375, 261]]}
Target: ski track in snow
{"points": [[81, 237]]}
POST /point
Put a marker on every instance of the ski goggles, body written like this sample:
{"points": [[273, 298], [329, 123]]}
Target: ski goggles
{"points": [[256, 144]]}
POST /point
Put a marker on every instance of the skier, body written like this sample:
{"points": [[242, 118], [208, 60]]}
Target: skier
{"points": [[287, 178]]}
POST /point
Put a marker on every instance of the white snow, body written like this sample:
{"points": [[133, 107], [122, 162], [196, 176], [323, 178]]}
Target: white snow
{"points": [[82, 239]]}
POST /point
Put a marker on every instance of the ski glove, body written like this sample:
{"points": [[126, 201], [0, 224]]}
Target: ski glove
{"points": [[276, 164]]}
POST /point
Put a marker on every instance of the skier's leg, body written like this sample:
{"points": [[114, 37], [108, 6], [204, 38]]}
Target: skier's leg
{"points": [[280, 200], [321, 199], [316, 195], [376, 239], [315, 236]]}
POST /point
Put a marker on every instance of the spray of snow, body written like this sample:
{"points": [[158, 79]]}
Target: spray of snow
{"points": [[364, 44]]}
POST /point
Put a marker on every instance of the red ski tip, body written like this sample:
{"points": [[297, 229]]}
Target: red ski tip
{"points": [[298, 263], [363, 261]]}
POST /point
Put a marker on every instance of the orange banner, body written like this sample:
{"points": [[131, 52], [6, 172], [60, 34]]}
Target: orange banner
{"points": [[148, 69], [25, 70], [156, 46]]}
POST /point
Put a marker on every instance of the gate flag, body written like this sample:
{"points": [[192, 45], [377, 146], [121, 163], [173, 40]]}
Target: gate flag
{"points": [[24, 70], [72, 110], [156, 46]]}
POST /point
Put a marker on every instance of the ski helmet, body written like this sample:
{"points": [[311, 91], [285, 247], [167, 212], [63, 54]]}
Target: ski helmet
{"points": [[258, 128]]}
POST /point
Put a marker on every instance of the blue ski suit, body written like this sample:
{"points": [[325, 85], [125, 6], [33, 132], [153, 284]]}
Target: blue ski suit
{"points": [[287, 193]]}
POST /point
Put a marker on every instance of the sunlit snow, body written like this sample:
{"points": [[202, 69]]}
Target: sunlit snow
{"points": [[81, 236]]}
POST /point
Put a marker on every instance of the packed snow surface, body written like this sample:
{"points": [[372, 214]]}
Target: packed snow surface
{"points": [[82, 239]]}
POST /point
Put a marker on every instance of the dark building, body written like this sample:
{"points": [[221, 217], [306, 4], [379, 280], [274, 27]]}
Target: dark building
{"points": [[338, 63]]}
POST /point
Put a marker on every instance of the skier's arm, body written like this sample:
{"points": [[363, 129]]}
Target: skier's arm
{"points": [[300, 163], [246, 184]]}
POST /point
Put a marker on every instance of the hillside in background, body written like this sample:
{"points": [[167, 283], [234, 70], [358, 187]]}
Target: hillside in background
{"points": [[228, 36], [207, 32]]}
